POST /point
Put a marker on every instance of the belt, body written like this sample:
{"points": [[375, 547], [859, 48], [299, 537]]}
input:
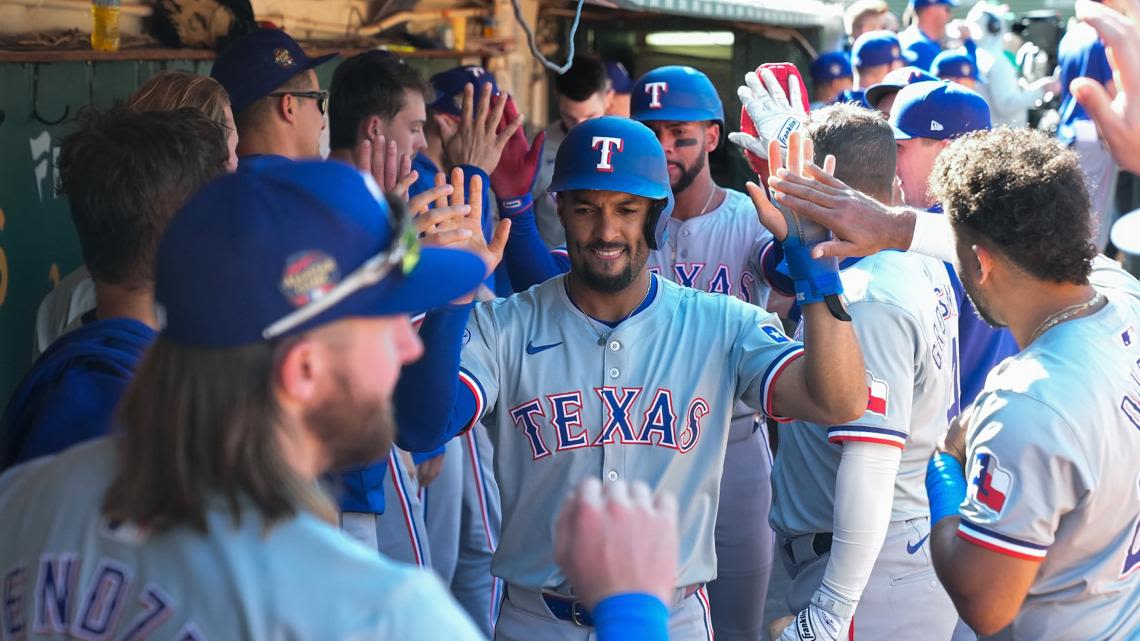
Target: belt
{"points": [[800, 547], [570, 609]]}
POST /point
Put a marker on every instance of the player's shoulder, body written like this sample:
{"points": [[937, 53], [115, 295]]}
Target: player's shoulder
{"points": [[904, 279], [75, 477]]}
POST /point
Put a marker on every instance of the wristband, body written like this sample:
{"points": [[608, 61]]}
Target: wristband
{"points": [[814, 279], [630, 616], [945, 486], [511, 207]]}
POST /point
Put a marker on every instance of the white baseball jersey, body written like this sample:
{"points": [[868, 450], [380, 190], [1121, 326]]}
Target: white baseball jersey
{"points": [[566, 398], [905, 316], [68, 573], [1052, 470]]}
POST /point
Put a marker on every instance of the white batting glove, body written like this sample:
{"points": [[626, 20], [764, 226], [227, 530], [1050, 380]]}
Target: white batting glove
{"points": [[774, 116], [825, 618]]}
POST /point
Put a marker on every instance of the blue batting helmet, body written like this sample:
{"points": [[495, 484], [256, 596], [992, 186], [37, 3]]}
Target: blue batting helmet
{"points": [[675, 93], [617, 154]]}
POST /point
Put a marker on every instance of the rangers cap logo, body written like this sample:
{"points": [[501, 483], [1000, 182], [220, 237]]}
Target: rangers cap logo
{"points": [[283, 58], [965, 70], [834, 68], [655, 89], [607, 145], [308, 276]]}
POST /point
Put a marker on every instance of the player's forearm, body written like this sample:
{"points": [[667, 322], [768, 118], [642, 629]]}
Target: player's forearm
{"points": [[963, 582], [631, 617], [528, 259], [425, 423], [834, 378]]}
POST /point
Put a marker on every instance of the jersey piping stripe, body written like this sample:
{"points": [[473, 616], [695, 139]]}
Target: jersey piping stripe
{"points": [[418, 320], [768, 384], [1001, 543], [773, 281], [866, 434], [394, 468], [481, 492], [703, 601], [472, 384]]}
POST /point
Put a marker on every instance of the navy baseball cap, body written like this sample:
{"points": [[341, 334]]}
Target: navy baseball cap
{"points": [[829, 66], [448, 86], [876, 48], [938, 110], [954, 64], [278, 248], [252, 66], [620, 79], [893, 82], [918, 4]]}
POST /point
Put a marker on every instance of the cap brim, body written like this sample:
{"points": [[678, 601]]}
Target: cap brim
{"points": [[440, 276], [320, 60], [909, 56], [876, 93], [900, 134], [1126, 233]]}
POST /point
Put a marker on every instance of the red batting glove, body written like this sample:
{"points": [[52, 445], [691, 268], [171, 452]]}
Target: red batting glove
{"points": [[518, 166]]}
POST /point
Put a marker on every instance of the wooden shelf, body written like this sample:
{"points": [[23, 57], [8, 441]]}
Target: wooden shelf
{"points": [[87, 55]]}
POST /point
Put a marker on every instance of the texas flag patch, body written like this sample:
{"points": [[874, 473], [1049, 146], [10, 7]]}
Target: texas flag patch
{"points": [[990, 483], [877, 392]]}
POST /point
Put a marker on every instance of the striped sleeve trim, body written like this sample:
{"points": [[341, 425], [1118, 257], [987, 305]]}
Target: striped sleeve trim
{"points": [[417, 320], [472, 383], [1001, 543], [867, 434], [560, 251], [768, 383]]}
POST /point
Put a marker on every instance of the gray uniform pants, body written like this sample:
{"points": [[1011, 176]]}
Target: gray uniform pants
{"points": [[744, 540], [903, 598]]}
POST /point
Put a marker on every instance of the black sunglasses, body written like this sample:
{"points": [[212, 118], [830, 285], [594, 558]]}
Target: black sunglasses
{"points": [[322, 97]]}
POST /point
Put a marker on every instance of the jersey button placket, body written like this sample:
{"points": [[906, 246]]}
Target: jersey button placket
{"points": [[614, 365]]}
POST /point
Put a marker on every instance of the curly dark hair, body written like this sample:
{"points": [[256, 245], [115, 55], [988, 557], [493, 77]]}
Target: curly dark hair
{"points": [[1024, 192]]}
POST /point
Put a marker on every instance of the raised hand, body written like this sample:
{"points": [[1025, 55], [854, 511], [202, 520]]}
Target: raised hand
{"points": [[772, 112], [518, 164], [1118, 117], [391, 170], [477, 138]]}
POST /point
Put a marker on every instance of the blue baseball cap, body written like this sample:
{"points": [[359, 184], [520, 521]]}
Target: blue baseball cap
{"points": [[829, 66], [282, 239], [876, 48], [893, 82], [954, 64], [252, 66], [938, 110], [675, 92], [620, 79], [918, 4], [448, 86]]}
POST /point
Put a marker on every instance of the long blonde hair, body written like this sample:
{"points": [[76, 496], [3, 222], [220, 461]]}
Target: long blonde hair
{"points": [[170, 90]]}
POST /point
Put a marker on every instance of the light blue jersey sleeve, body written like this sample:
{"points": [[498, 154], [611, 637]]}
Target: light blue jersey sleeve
{"points": [[479, 366], [762, 352]]}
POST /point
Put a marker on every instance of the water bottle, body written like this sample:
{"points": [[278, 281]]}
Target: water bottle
{"points": [[105, 25]]}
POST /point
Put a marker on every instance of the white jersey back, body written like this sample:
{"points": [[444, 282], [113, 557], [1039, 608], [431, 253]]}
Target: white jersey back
{"points": [[566, 398], [905, 316], [67, 573], [1053, 470]]}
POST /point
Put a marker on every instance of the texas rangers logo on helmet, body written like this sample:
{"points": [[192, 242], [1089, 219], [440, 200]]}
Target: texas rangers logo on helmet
{"points": [[655, 89], [607, 145], [308, 276]]}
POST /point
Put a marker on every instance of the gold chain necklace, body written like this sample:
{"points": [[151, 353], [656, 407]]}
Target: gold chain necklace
{"points": [[1064, 315]]}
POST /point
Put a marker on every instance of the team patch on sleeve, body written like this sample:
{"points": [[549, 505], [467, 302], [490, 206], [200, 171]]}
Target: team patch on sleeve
{"points": [[1000, 543], [866, 434], [990, 483], [777, 367], [877, 395]]}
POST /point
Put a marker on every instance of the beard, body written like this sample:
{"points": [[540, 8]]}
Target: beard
{"points": [[689, 174], [604, 283], [355, 431]]}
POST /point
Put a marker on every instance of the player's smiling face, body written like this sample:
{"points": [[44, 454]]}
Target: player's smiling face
{"points": [[687, 146], [605, 236]]}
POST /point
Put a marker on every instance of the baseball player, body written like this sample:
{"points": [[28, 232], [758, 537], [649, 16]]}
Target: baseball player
{"points": [[923, 38], [956, 66], [875, 54], [606, 372], [831, 75], [1038, 483], [852, 522], [713, 243], [121, 197], [882, 95]]}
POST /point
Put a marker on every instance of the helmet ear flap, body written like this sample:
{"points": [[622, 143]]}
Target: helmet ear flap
{"points": [[655, 224]]}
